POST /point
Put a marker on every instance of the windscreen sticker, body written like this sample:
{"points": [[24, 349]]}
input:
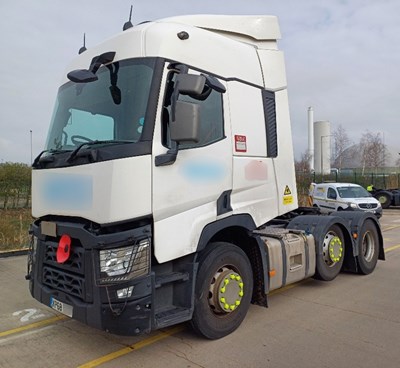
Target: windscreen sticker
{"points": [[240, 143]]}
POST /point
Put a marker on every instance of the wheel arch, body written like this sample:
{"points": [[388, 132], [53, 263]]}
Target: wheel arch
{"points": [[319, 225], [355, 220], [237, 230]]}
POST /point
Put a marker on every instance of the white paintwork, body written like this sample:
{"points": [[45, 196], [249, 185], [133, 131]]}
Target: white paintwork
{"points": [[284, 163], [258, 27], [185, 193], [273, 67], [205, 50], [182, 204], [247, 118], [116, 190], [254, 189]]}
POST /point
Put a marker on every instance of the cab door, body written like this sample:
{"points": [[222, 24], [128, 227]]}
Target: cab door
{"points": [[187, 192]]}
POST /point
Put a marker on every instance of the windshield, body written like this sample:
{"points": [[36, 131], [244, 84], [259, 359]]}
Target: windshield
{"points": [[353, 192], [112, 108]]}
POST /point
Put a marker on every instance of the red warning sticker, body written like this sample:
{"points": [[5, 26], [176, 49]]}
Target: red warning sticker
{"points": [[240, 143]]}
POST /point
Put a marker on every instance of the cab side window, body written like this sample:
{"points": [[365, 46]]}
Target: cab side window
{"points": [[331, 193], [211, 115]]}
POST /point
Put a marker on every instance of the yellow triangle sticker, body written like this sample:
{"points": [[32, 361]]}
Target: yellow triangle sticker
{"points": [[287, 191]]}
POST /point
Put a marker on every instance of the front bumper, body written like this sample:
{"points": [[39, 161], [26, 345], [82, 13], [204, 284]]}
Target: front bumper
{"points": [[76, 283], [130, 317]]}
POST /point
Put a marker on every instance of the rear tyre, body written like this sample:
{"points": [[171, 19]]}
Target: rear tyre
{"points": [[330, 261], [384, 198], [368, 247], [223, 292]]}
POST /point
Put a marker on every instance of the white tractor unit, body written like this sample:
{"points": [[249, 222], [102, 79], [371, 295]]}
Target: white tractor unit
{"points": [[166, 191]]}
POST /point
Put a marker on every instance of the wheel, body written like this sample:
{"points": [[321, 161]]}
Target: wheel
{"points": [[330, 262], [223, 291], [384, 198], [368, 248], [79, 139]]}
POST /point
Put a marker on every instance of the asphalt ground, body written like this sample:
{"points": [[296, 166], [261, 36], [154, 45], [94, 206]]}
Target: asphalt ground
{"points": [[353, 321]]}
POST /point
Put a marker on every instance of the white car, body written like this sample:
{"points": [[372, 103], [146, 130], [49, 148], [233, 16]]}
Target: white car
{"points": [[330, 197]]}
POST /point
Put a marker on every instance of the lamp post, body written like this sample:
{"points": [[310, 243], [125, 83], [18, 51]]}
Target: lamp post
{"points": [[31, 146]]}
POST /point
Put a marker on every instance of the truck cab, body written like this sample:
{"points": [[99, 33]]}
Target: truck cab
{"points": [[169, 148]]}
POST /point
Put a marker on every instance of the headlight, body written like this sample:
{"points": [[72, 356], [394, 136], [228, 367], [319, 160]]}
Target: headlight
{"points": [[125, 263], [353, 205]]}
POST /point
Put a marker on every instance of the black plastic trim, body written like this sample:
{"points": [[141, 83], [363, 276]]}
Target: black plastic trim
{"points": [[98, 238], [270, 123], [284, 262], [150, 117], [355, 221], [244, 221], [94, 305], [227, 79], [224, 203]]}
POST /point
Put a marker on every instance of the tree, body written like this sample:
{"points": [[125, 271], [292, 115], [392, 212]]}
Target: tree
{"points": [[303, 165], [341, 143], [374, 152], [398, 161]]}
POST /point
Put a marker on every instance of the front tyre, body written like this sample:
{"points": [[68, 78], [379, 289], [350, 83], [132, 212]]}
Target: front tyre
{"points": [[223, 292], [368, 247], [330, 261]]}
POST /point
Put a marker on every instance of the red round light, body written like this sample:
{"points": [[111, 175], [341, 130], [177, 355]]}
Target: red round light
{"points": [[64, 248]]}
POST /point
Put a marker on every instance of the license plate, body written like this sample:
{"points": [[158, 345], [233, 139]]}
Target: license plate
{"points": [[61, 307]]}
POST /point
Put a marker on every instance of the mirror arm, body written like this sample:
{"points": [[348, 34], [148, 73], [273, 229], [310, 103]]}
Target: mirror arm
{"points": [[174, 98], [168, 158]]}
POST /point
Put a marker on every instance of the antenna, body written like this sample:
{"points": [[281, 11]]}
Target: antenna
{"points": [[83, 48], [128, 24]]}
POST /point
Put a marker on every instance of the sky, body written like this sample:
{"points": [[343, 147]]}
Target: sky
{"points": [[342, 58]]}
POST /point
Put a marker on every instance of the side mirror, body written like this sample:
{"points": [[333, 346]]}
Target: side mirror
{"points": [[82, 76], [190, 84], [186, 126]]}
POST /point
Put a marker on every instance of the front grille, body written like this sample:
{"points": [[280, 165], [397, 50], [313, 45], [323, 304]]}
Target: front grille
{"points": [[62, 281], [75, 263], [368, 206], [68, 277]]}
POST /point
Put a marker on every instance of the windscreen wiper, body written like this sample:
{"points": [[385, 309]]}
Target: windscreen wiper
{"points": [[39, 157], [74, 153]]}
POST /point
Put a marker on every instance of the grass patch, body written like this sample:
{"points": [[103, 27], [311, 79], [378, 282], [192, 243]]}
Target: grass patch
{"points": [[14, 227]]}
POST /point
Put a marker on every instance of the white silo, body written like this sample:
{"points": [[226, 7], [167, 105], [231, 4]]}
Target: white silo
{"points": [[322, 147]]}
